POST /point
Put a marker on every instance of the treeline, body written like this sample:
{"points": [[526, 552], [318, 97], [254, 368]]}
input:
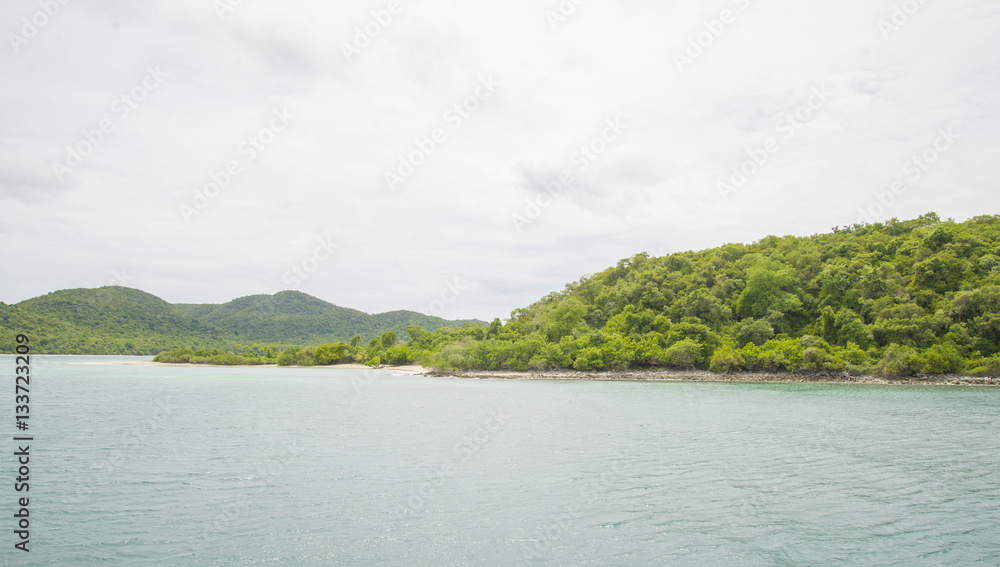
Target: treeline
{"points": [[386, 349], [899, 298], [107, 320], [121, 320]]}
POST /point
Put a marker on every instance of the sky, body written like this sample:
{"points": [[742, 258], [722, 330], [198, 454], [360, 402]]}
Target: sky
{"points": [[466, 159]]}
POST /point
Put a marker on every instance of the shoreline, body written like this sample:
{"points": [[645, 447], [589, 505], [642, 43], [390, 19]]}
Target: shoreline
{"points": [[661, 375], [408, 369], [646, 375]]}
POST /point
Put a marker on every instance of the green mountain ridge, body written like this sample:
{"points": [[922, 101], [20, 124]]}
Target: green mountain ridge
{"points": [[120, 320], [897, 298]]}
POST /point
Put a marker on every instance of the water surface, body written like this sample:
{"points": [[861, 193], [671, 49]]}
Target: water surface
{"points": [[157, 465]]}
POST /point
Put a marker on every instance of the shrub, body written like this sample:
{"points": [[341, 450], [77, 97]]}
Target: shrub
{"points": [[286, 358], [724, 359], [986, 367], [683, 354], [941, 359], [587, 359], [753, 331], [899, 361], [814, 358]]}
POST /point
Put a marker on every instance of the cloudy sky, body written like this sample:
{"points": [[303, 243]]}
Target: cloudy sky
{"points": [[465, 159]]}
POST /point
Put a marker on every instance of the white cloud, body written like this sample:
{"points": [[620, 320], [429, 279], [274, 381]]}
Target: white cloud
{"points": [[654, 190]]}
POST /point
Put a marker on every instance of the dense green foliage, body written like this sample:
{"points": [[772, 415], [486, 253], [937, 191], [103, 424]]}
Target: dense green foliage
{"points": [[296, 318], [107, 320], [213, 356], [898, 298], [119, 320], [384, 349]]}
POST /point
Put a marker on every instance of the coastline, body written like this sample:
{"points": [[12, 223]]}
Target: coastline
{"points": [[662, 375], [408, 369], [646, 375]]}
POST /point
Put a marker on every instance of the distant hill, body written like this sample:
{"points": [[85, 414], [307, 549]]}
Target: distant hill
{"points": [[120, 320], [293, 317], [107, 320]]}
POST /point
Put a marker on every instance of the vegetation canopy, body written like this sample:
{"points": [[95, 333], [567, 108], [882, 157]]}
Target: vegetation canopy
{"points": [[898, 298]]}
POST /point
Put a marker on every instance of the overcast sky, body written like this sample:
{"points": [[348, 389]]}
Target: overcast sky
{"points": [[402, 155]]}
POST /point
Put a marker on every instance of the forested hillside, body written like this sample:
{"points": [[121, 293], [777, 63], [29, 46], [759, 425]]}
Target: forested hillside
{"points": [[107, 320], [897, 298], [296, 318], [120, 320]]}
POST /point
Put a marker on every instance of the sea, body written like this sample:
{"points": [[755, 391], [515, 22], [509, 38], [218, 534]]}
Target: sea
{"points": [[131, 463]]}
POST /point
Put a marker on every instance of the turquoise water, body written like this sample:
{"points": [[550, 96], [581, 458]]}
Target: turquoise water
{"points": [[151, 465]]}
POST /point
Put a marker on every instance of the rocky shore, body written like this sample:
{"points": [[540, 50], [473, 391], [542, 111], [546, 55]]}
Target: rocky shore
{"points": [[662, 375]]}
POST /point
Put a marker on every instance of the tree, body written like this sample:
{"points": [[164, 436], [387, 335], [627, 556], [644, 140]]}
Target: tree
{"points": [[685, 354], [753, 331], [495, 327], [388, 339], [850, 327], [899, 361], [416, 333], [769, 290], [827, 324], [724, 359]]}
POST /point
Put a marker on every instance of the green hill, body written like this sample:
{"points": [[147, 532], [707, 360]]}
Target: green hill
{"points": [[107, 320], [119, 320], [296, 318], [898, 298]]}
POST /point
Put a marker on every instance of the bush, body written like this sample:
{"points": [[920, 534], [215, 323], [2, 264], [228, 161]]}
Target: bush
{"points": [[986, 367], [775, 355], [684, 354], [753, 331], [814, 358], [724, 359], [853, 354], [587, 359], [899, 361], [398, 356], [941, 359]]}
